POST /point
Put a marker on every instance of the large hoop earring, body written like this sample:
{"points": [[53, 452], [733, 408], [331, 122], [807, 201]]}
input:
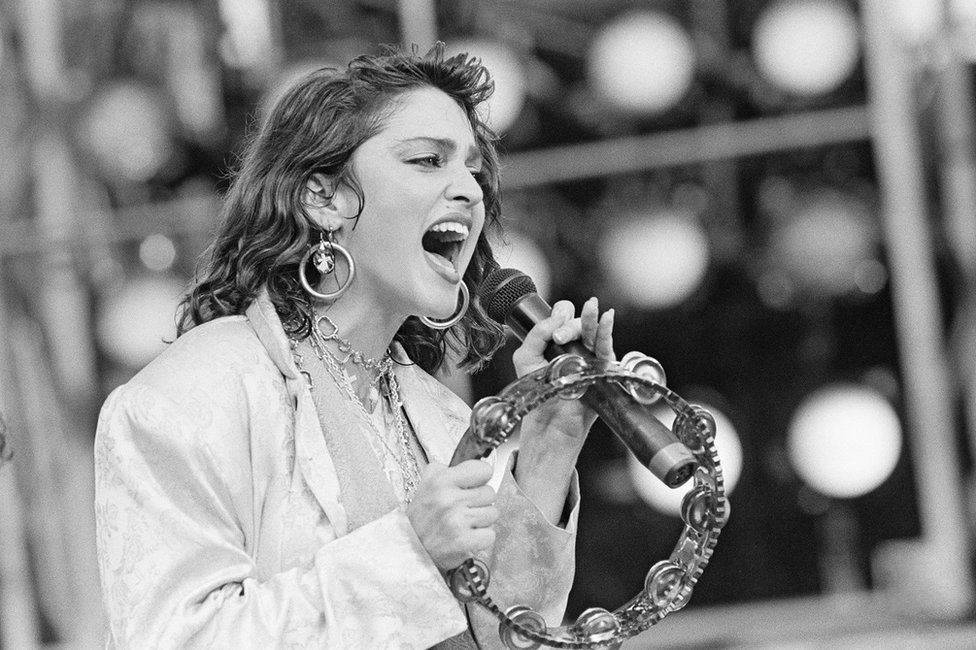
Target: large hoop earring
{"points": [[458, 315], [323, 257]]}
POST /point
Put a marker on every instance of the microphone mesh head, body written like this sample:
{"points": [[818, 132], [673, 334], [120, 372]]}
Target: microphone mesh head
{"points": [[501, 290]]}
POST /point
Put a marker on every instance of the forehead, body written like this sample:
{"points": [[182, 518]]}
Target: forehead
{"points": [[427, 113]]}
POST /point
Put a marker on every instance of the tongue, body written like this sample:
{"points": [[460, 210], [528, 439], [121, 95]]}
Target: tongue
{"points": [[440, 260]]}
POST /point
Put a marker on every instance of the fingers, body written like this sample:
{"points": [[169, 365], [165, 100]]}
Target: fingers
{"points": [[483, 517], [470, 474], [594, 330], [589, 321], [603, 339], [542, 332], [453, 511]]}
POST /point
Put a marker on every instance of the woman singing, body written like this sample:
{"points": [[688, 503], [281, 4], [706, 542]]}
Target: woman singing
{"points": [[279, 476]]}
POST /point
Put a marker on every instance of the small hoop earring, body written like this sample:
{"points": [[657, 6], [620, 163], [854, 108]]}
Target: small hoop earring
{"points": [[458, 315], [322, 256]]}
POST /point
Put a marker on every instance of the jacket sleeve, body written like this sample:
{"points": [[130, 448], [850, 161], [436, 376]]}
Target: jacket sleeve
{"points": [[532, 562], [174, 514]]}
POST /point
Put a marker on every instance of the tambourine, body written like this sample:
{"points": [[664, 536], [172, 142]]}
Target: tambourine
{"points": [[704, 510]]}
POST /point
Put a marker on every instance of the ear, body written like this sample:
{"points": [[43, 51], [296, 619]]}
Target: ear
{"points": [[321, 202]]}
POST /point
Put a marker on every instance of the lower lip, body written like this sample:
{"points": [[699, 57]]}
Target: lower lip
{"points": [[443, 268]]}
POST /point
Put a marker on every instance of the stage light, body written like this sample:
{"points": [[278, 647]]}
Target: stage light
{"points": [[248, 42], [642, 62], [157, 252], [844, 440], [133, 324], [825, 245], [916, 21], [807, 47], [870, 276], [505, 104], [667, 500], [127, 129], [655, 260], [519, 251]]}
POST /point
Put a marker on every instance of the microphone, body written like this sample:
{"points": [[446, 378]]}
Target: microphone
{"points": [[510, 297]]}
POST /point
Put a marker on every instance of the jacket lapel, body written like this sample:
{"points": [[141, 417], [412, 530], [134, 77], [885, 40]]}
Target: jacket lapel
{"points": [[311, 453], [438, 416]]}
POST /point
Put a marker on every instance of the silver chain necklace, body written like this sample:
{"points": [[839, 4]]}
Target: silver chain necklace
{"points": [[404, 457]]}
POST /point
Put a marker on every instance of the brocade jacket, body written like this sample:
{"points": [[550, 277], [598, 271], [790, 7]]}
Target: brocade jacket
{"points": [[220, 522]]}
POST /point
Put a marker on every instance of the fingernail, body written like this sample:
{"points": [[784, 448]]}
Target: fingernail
{"points": [[608, 316], [559, 336]]}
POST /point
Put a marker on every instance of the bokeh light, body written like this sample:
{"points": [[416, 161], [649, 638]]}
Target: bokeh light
{"points": [[249, 41], [134, 323], [656, 259], [505, 104], [844, 440], [963, 16], [667, 500], [157, 252], [127, 129], [642, 62], [807, 47], [825, 244], [917, 21]]}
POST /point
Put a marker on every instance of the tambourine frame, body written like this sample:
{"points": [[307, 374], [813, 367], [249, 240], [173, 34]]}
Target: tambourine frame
{"points": [[669, 583]]}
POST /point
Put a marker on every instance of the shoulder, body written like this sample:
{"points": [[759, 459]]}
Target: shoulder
{"points": [[208, 385], [217, 353]]}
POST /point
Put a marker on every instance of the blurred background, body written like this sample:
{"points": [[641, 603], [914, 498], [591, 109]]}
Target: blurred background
{"points": [[777, 196]]}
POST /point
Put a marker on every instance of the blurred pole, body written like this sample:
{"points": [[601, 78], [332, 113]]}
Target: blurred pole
{"points": [[19, 619], [673, 148], [59, 367], [19, 627], [18, 606], [418, 23], [956, 117], [931, 575], [711, 34]]}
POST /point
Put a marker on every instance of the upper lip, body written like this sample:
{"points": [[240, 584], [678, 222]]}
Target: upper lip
{"points": [[458, 217]]}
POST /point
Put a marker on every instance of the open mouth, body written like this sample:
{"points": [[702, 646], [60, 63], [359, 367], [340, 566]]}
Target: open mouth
{"points": [[445, 240]]}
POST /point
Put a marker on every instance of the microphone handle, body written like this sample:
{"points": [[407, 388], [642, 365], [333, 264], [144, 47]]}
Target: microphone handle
{"points": [[658, 449]]}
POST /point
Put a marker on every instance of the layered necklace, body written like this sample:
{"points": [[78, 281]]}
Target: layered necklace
{"points": [[383, 381]]}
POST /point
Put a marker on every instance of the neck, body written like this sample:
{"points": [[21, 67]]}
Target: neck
{"points": [[368, 330]]}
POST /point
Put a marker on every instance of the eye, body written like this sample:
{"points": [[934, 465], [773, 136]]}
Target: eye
{"points": [[429, 160]]}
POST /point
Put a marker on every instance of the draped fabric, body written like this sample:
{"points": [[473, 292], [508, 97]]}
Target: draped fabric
{"points": [[224, 519], [362, 481]]}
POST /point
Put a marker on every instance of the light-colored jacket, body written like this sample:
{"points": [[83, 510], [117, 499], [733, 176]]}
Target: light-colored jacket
{"points": [[220, 522]]}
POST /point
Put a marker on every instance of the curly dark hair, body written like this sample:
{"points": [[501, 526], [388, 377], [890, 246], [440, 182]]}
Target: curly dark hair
{"points": [[314, 127]]}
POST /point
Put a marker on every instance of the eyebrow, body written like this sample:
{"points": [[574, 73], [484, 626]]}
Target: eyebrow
{"points": [[447, 145]]}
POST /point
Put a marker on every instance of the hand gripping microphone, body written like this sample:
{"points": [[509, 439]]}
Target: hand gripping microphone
{"points": [[509, 297]]}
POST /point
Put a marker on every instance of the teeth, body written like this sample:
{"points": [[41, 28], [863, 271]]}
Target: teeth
{"points": [[451, 226]]}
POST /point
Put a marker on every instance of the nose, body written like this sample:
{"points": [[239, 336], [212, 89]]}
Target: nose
{"points": [[464, 187]]}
